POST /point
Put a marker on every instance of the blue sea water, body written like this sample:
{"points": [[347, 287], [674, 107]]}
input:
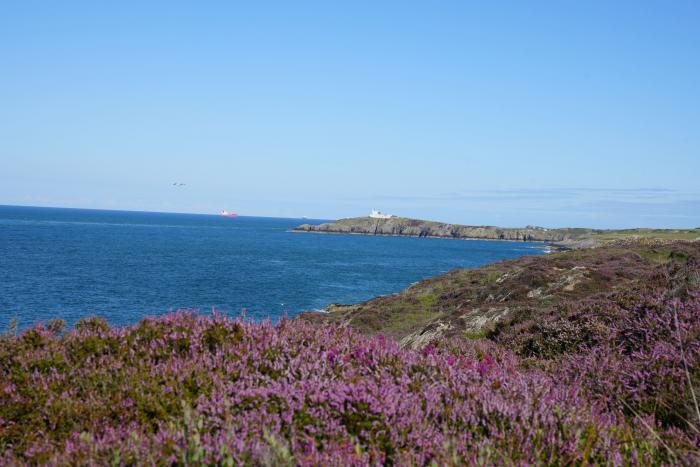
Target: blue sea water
{"points": [[72, 263]]}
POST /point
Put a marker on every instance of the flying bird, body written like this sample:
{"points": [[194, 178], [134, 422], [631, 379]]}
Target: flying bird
{"points": [[178, 184]]}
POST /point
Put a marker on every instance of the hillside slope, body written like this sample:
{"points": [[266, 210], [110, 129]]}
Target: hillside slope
{"points": [[494, 300]]}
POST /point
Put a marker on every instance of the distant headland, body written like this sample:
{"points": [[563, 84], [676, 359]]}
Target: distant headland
{"points": [[378, 223]]}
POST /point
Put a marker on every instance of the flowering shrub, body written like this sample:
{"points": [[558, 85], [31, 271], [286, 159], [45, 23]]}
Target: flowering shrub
{"points": [[649, 362], [190, 389]]}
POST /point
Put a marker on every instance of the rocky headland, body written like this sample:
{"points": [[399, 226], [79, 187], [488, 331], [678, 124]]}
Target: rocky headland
{"points": [[559, 238], [420, 228]]}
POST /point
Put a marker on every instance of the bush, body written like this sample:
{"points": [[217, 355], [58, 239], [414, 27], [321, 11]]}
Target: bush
{"points": [[649, 364]]}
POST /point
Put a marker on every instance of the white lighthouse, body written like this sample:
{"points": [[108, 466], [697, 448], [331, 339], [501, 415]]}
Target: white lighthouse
{"points": [[380, 215]]}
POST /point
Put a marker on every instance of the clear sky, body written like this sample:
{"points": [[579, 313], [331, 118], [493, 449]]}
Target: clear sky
{"points": [[579, 113]]}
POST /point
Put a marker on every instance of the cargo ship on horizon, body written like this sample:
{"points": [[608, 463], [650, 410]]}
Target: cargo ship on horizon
{"points": [[228, 214]]}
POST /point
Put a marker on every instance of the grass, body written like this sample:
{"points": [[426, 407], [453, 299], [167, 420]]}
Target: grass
{"points": [[428, 300], [404, 317], [659, 234], [473, 335], [663, 256]]}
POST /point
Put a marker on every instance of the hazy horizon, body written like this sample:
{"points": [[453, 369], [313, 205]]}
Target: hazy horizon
{"points": [[508, 114], [306, 218]]}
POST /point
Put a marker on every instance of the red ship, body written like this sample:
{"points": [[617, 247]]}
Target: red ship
{"points": [[228, 214]]}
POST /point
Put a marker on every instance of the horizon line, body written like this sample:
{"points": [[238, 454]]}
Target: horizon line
{"points": [[2, 205]]}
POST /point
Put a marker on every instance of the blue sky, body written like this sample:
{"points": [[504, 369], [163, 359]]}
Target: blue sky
{"points": [[508, 113]]}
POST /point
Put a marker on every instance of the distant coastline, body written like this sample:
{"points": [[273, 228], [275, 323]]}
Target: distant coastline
{"points": [[406, 227], [558, 239]]}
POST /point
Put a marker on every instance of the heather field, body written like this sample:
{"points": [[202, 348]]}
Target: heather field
{"points": [[612, 379], [349, 234]]}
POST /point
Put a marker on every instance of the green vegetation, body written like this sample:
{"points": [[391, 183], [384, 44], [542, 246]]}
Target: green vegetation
{"points": [[428, 300], [658, 234], [473, 335], [663, 256]]}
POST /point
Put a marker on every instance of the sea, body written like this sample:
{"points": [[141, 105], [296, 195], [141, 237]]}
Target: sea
{"points": [[123, 265]]}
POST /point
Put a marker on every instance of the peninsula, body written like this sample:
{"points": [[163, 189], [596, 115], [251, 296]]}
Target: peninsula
{"points": [[561, 238]]}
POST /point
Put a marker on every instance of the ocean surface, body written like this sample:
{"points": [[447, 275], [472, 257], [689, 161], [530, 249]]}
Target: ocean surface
{"points": [[72, 263]]}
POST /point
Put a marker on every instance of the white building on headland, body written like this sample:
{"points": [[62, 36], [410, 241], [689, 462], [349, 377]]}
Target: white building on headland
{"points": [[380, 215]]}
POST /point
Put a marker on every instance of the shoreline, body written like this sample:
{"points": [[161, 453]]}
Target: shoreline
{"points": [[475, 300], [554, 247]]}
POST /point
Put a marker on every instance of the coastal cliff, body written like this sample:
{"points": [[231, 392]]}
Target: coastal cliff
{"points": [[560, 239], [401, 226]]}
